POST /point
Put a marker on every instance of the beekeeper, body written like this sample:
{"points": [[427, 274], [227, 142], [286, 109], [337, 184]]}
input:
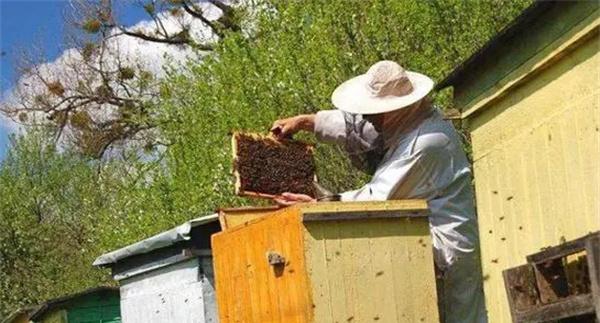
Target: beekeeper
{"points": [[389, 129]]}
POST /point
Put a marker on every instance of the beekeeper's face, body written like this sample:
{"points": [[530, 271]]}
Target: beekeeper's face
{"points": [[376, 120]]}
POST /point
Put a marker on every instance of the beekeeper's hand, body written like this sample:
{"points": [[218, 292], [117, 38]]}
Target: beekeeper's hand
{"points": [[283, 128], [287, 199]]}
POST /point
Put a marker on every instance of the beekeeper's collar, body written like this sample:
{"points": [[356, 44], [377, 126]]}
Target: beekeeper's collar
{"points": [[366, 145]]}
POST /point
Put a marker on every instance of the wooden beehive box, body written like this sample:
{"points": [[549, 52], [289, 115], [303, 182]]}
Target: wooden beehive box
{"points": [[328, 262]]}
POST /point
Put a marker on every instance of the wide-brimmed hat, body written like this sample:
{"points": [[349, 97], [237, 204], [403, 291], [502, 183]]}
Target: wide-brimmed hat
{"points": [[385, 87]]}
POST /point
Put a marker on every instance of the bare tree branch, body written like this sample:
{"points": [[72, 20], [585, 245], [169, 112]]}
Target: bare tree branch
{"points": [[194, 13], [99, 98], [143, 36]]}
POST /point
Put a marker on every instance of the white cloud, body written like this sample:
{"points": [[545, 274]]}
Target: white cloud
{"points": [[151, 56], [8, 126]]}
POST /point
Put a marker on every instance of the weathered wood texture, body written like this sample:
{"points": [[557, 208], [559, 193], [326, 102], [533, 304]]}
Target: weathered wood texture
{"points": [[564, 249], [251, 290], [551, 281], [363, 215], [593, 258], [351, 270], [536, 145], [547, 288], [371, 270], [520, 288], [563, 309], [232, 217]]}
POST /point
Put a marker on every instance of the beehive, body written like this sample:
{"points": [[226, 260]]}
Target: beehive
{"points": [[531, 100], [328, 262]]}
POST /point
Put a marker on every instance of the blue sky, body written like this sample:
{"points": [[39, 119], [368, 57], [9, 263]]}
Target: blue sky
{"points": [[26, 22]]}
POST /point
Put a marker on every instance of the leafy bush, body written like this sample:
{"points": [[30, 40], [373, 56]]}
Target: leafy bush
{"points": [[49, 222], [300, 51], [59, 211]]}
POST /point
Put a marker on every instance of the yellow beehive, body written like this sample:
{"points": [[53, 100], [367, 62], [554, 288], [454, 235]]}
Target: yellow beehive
{"points": [[328, 262], [531, 100]]}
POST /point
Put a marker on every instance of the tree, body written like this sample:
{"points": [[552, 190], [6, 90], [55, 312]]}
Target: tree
{"points": [[94, 97], [305, 49], [48, 222], [100, 17], [97, 95], [58, 213]]}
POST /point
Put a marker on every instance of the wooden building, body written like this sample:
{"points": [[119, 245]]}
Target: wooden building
{"points": [[167, 277], [531, 101], [326, 262], [95, 305]]}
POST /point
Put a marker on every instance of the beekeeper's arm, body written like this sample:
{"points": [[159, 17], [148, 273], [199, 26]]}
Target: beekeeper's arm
{"points": [[422, 174], [328, 125]]}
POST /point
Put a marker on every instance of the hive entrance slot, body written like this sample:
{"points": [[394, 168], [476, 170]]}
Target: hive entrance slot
{"points": [[558, 284]]}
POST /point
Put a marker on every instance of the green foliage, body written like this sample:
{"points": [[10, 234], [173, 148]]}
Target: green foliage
{"points": [[48, 230], [59, 211], [298, 54]]}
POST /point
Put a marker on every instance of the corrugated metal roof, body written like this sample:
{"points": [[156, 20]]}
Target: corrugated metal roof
{"points": [[513, 29], [161, 240]]}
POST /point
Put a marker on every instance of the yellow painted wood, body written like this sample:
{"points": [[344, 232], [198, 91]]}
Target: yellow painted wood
{"points": [[536, 149], [232, 217], [371, 270], [586, 29], [378, 270], [400, 205]]}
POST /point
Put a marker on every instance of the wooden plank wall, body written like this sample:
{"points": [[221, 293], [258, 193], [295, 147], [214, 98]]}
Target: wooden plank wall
{"points": [[248, 288], [378, 270], [537, 165]]}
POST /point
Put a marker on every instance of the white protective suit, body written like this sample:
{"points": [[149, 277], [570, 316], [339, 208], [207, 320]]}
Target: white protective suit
{"points": [[429, 163]]}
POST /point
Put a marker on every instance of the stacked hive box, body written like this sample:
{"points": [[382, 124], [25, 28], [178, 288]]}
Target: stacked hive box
{"points": [[328, 262]]}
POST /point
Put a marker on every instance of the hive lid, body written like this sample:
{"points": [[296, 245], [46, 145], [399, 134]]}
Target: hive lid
{"points": [[336, 211], [161, 240]]}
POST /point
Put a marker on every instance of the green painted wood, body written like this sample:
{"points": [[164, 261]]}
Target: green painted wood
{"points": [[535, 36], [98, 308]]}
